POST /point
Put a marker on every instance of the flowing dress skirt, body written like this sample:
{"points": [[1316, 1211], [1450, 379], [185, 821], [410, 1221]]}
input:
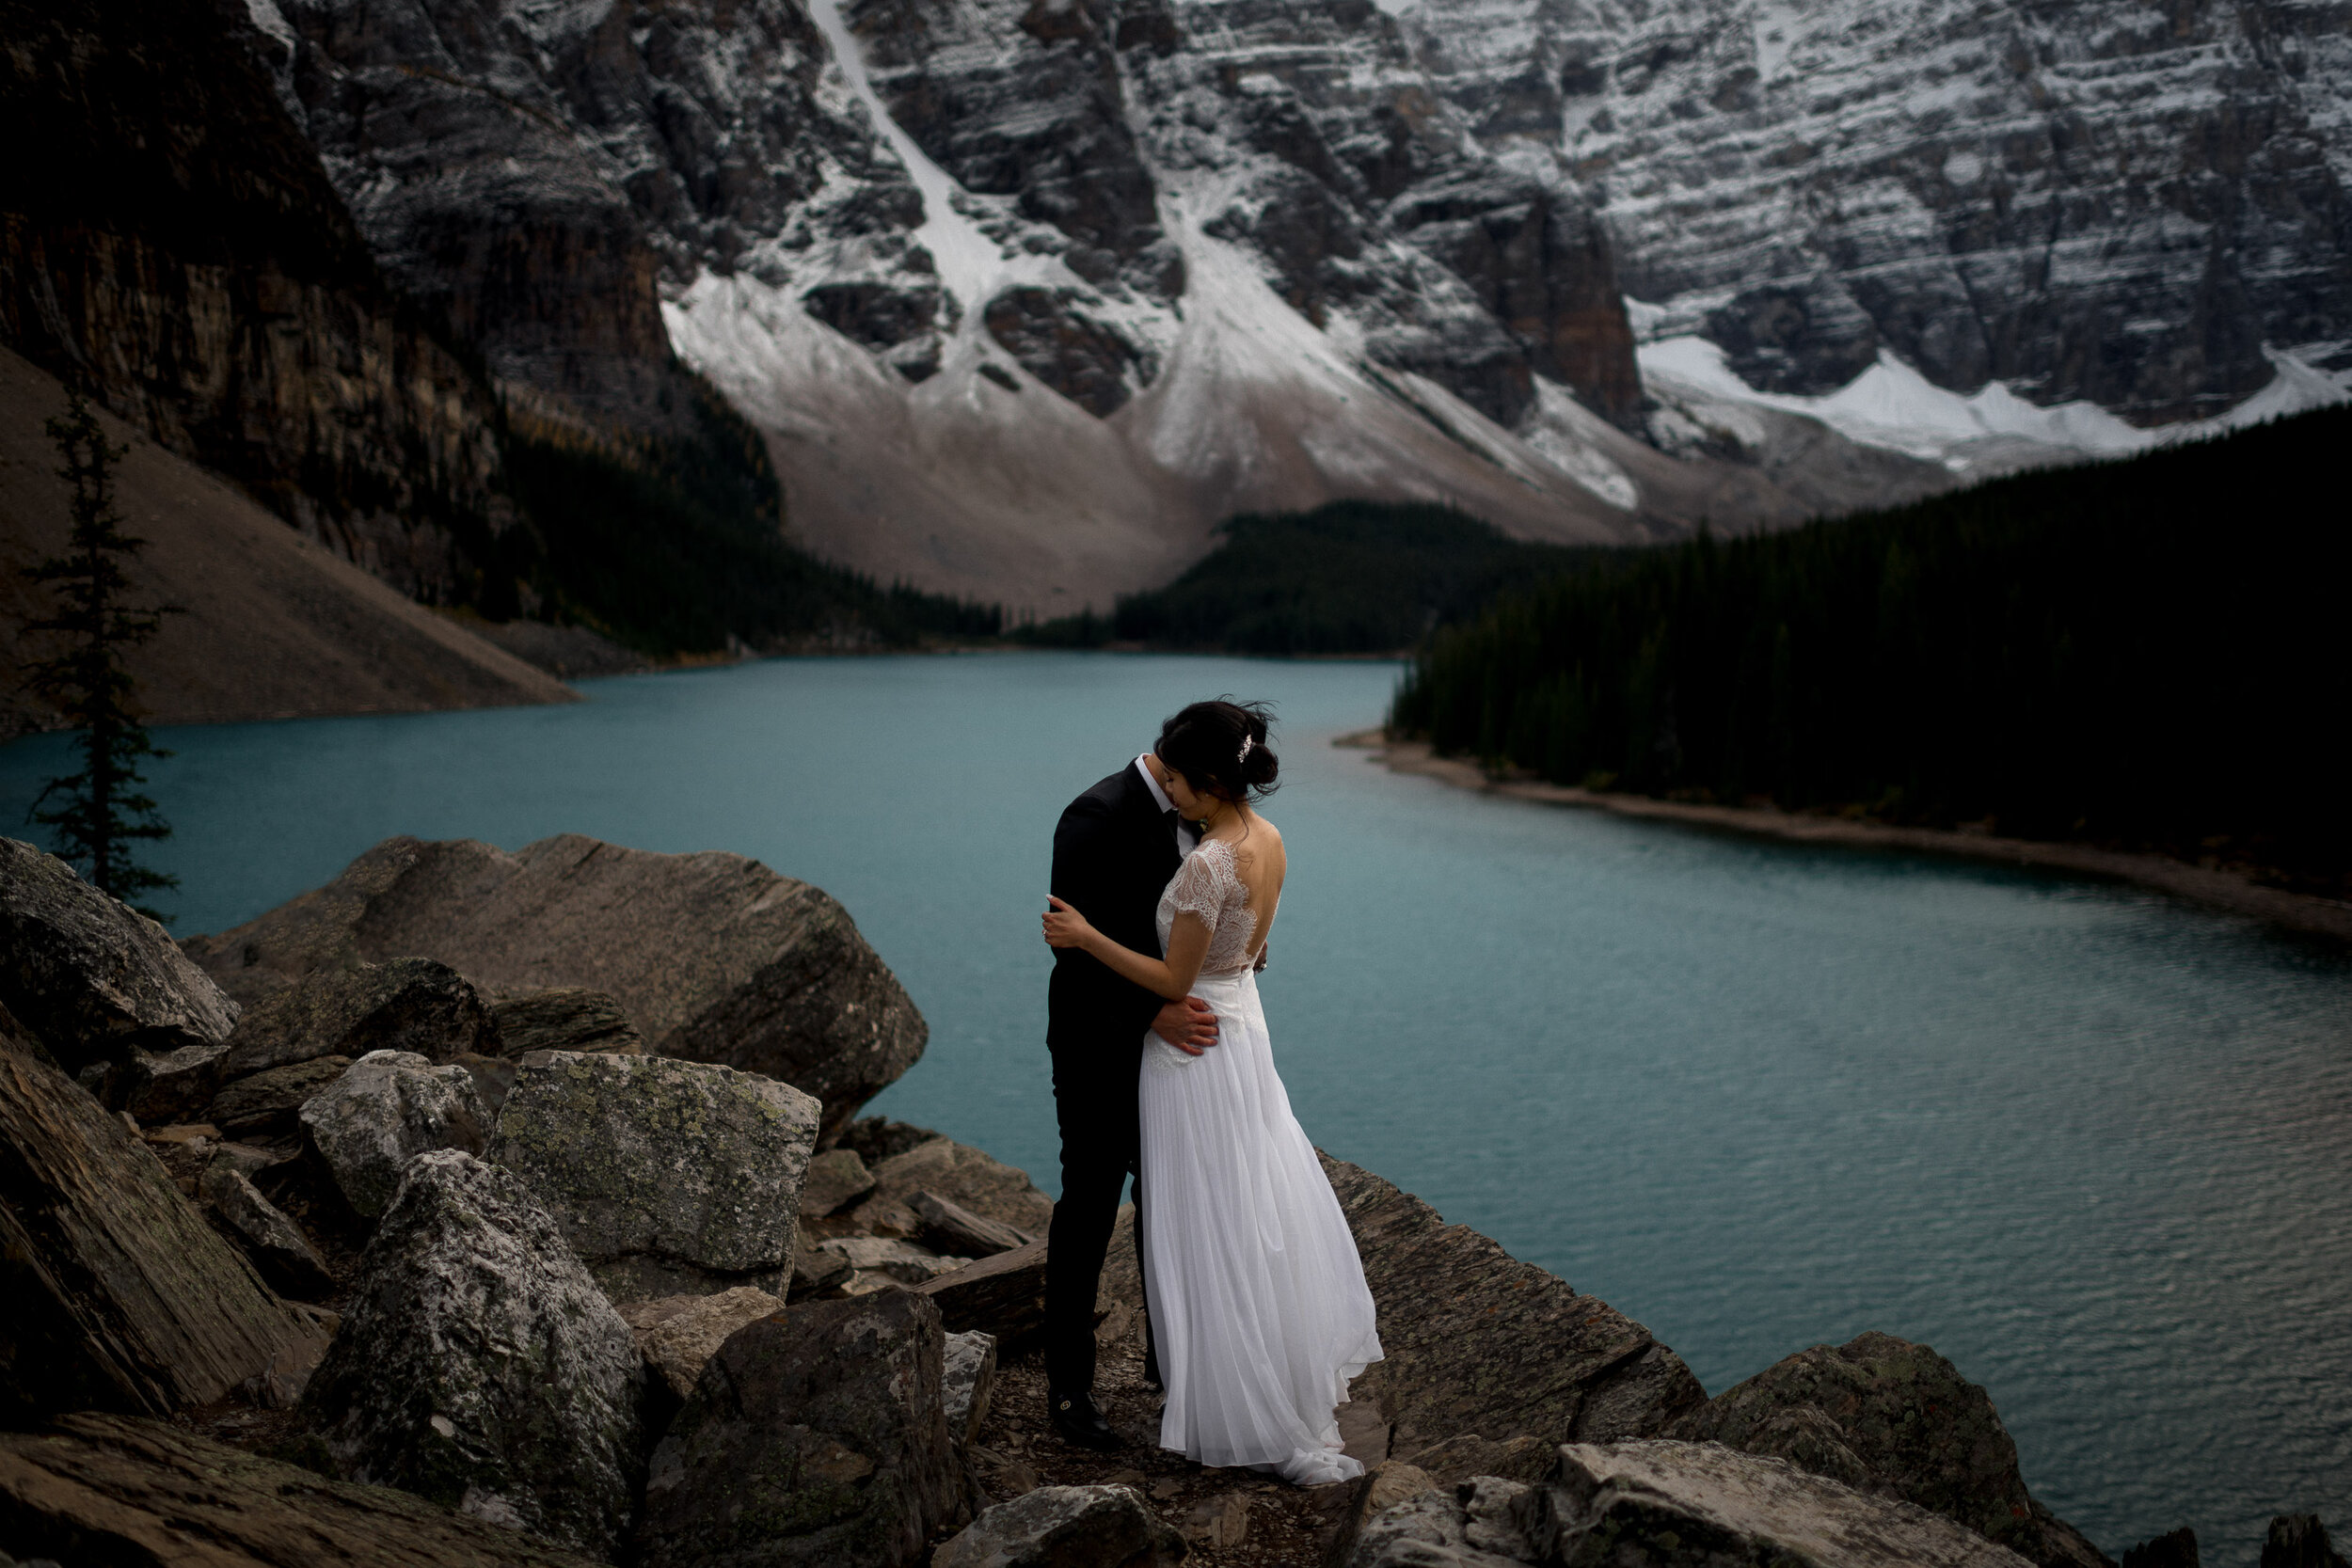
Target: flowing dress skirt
{"points": [[1257, 1297]]}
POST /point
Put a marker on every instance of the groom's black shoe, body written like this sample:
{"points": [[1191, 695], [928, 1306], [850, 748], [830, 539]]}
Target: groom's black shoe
{"points": [[1079, 1420]]}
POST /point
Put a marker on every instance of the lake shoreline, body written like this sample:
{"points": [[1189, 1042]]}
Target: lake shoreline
{"points": [[2226, 891]]}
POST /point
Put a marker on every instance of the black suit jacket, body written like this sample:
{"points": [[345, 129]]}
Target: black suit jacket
{"points": [[1113, 854]]}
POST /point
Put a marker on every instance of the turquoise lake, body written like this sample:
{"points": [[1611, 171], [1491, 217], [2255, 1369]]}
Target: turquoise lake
{"points": [[2094, 1147]]}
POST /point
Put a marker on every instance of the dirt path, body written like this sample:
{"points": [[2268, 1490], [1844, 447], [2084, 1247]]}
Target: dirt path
{"points": [[2210, 888]]}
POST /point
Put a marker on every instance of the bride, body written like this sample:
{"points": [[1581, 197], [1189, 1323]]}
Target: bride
{"points": [[1257, 1297]]}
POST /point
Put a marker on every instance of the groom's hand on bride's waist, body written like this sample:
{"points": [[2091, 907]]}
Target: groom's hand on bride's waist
{"points": [[1187, 1023]]}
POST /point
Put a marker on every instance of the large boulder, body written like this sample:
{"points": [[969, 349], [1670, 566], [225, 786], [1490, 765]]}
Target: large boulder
{"points": [[413, 1004], [97, 983], [1066, 1527], [1668, 1505], [1479, 1344], [383, 1110], [715, 957], [817, 1438], [118, 1295], [143, 1494], [481, 1366], [668, 1178], [1895, 1419]]}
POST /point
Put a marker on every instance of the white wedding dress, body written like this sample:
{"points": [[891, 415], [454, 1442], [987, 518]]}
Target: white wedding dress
{"points": [[1257, 1297]]}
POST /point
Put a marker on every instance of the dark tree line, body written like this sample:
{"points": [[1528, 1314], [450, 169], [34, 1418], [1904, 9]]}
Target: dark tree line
{"points": [[1350, 576], [2148, 652]]}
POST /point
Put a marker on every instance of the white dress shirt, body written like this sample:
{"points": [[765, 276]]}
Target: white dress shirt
{"points": [[1186, 835]]}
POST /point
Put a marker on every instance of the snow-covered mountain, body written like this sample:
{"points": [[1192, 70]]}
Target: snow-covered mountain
{"points": [[2137, 206], [1024, 295]]}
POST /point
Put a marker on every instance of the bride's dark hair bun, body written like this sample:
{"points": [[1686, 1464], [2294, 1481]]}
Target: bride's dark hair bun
{"points": [[1221, 749]]}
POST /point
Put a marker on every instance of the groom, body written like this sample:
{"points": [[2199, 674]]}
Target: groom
{"points": [[1115, 848]]}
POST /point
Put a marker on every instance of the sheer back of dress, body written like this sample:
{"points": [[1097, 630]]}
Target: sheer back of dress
{"points": [[1208, 886]]}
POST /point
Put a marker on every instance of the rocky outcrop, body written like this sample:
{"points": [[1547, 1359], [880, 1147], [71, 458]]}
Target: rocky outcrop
{"points": [[953, 1231], [1479, 1344], [714, 957], [678, 1335], [835, 1180], [275, 1244], [143, 1494], [1003, 1296], [97, 983], [405, 1004], [813, 1438], [2084, 200], [120, 1295], [968, 1178], [665, 1176], [265, 1106], [1055, 1525], [564, 1018], [2299, 1541], [1672, 1504], [2173, 1549], [386, 1109], [180, 254], [1888, 1417], [481, 1368]]}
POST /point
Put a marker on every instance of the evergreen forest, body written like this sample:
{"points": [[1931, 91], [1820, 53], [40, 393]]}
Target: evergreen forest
{"points": [[2147, 653], [1348, 577]]}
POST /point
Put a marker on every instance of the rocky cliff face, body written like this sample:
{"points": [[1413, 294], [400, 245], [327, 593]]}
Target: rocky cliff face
{"points": [[173, 247], [2081, 198]]}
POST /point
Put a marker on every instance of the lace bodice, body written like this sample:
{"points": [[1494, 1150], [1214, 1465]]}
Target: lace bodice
{"points": [[1207, 885]]}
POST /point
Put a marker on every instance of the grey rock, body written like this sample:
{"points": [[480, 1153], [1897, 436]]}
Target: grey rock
{"points": [[816, 1272], [874, 1139], [715, 957], [895, 1260], [967, 1177], [1066, 1527], [413, 1004], [90, 978], [160, 1087], [1350, 1506], [814, 1438], [481, 1366], [1217, 1524], [2173, 1549], [1004, 1296], [968, 1383], [387, 1107], [2299, 1541], [667, 1177], [1677, 1505], [951, 1228], [564, 1018], [142, 1493], [1458, 1459], [120, 1295], [835, 1179], [1479, 1342], [1893, 1418], [276, 1244], [678, 1335], [267, 1104]]}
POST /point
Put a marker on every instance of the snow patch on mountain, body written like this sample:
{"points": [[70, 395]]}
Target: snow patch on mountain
{"points": [[1991, 431]]}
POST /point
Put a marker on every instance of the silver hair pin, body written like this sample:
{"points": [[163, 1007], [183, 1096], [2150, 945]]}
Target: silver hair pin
{"points": [[1247, 742]]}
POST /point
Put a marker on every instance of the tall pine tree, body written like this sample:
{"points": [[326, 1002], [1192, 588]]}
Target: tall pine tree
{"points": [[99, 813]]}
